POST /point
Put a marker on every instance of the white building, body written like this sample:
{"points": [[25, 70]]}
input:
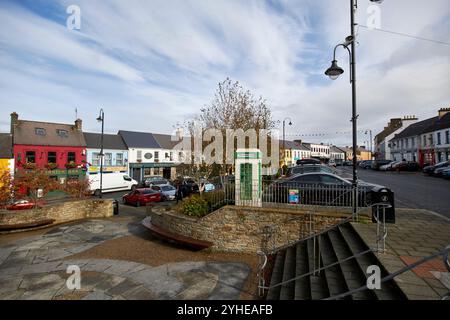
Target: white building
{"points": [[319, 150]]}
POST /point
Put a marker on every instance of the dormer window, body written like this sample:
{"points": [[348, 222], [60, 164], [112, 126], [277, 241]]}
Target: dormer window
{"points": [[40, 131], [62, 133]]}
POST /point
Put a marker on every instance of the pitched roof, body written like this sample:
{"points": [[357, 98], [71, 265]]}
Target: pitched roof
{"points": [[416, 128], [110, 141], [25, 133], [439, 123], [5, 146], [335, 149], [293, 145], [139, 140], [392, 126], [165, 140]]}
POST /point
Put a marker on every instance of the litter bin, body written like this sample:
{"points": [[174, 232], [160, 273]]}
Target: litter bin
{"points": [[382, 200], [116, 207]]}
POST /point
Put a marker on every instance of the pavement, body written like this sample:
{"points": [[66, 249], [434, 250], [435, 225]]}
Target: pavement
{"points": [[36, 267], [411, 189], [415, 235]]}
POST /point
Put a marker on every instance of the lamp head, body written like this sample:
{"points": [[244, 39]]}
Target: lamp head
{"points": [[334, 71], [348, 41]]}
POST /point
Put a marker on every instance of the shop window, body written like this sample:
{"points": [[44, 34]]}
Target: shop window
{"points": [[71, 157], [51, 157], [30, 157], [108, 159]]}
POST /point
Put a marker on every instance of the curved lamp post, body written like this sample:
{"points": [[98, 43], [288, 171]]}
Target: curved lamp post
{"points": [[334, 71], [284, 138], [101, 118]]}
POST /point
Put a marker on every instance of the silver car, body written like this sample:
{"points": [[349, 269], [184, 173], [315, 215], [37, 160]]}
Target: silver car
{"points": [[168, 191]]}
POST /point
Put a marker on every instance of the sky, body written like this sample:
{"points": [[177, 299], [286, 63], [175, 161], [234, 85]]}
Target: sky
{"points": [[151, 65]]}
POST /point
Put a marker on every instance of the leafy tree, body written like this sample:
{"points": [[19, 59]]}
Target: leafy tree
{"points": [[77, 188], [34, 183], [6, 188]]}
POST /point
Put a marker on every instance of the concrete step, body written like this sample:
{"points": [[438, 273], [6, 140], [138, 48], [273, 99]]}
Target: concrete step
{"points": [[288, 290], [353, 276], [318, 285], [389, 290], [277, 276], [302, 285], [334, 275]]}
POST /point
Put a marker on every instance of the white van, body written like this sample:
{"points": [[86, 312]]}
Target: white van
{"points": [[111, 182]]}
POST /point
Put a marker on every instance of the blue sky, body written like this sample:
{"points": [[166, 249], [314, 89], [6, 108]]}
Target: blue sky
{"points": [[153, 64]]}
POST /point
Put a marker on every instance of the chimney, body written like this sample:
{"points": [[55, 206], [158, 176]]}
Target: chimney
{"points": [[443, 111], [14, 121], [79, 124]]}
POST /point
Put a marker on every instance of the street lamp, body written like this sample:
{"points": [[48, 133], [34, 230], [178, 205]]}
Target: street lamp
{"points": [[334, 71], [284, 138], [101, 118]]}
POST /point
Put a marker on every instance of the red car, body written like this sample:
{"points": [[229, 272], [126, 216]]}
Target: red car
{"points": [[24, 205], [141, 197]]}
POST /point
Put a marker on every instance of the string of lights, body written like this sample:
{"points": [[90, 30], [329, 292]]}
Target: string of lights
{"points": [[405, 35], [323, 134]]}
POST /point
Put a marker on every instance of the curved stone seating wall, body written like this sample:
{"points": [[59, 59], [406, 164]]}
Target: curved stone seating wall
{"points": [[60, 212], [239, 229]]}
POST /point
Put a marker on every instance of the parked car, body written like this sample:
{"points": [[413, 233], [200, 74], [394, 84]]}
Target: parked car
{"points": [[320, 188], [348, 163], [332, 163], [168, 191], [430, 169], [406, 166], [376, 164], [367, 164], [388, 167], [155, 182], [140, 197], [307, 168], [307, 161], [446, 173], [111, 182], [24, 205], [439, 172]]}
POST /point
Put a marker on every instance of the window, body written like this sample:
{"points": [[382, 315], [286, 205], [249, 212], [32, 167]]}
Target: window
{"points": [[413, 142], [71, 157], [424, 141], [171, 156], [447, 137], [30, 157], [407, 143], [310, 178], [139, 154], [40, 131], [438, 138], [51, 157], [96, 159], [156, 155], [62, 133], [119, 159], [431, 139], [331, 180], [108, 159]]}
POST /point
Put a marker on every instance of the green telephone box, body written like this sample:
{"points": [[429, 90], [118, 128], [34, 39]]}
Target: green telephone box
{"points": [[248, 177]]}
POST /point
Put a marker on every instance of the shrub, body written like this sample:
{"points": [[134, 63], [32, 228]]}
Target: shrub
{"points": [[195, 206]]}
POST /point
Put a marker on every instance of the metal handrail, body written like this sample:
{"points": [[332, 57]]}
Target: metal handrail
{"points": [[320, 269], [391, 276], [260, 275]]}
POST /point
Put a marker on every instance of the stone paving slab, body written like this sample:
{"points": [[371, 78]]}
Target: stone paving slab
{"points": [[416, 234]]}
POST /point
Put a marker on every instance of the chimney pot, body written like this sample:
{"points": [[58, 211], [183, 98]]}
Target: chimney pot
{"points": [[79, 124], [14, 121]]}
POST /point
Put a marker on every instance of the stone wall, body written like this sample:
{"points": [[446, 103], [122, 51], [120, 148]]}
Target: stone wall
{"points": [[60, 212], [240, 229]]}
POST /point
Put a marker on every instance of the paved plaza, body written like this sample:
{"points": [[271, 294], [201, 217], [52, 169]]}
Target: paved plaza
{"points": [[35, 268]]}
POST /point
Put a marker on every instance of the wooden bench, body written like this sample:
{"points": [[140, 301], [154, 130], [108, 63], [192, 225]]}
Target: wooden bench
{"points": [[180, 239], [18, 226]]}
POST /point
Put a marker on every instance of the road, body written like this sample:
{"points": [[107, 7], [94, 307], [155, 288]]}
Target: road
{"points": [[411, 189]]}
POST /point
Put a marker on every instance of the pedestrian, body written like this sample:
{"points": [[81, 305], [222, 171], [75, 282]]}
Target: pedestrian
{"points": [[179, 194]]}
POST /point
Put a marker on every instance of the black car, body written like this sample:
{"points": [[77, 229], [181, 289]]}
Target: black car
{"points": [[367, 164], [376, 164], [328, 189], [430, 169]]}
